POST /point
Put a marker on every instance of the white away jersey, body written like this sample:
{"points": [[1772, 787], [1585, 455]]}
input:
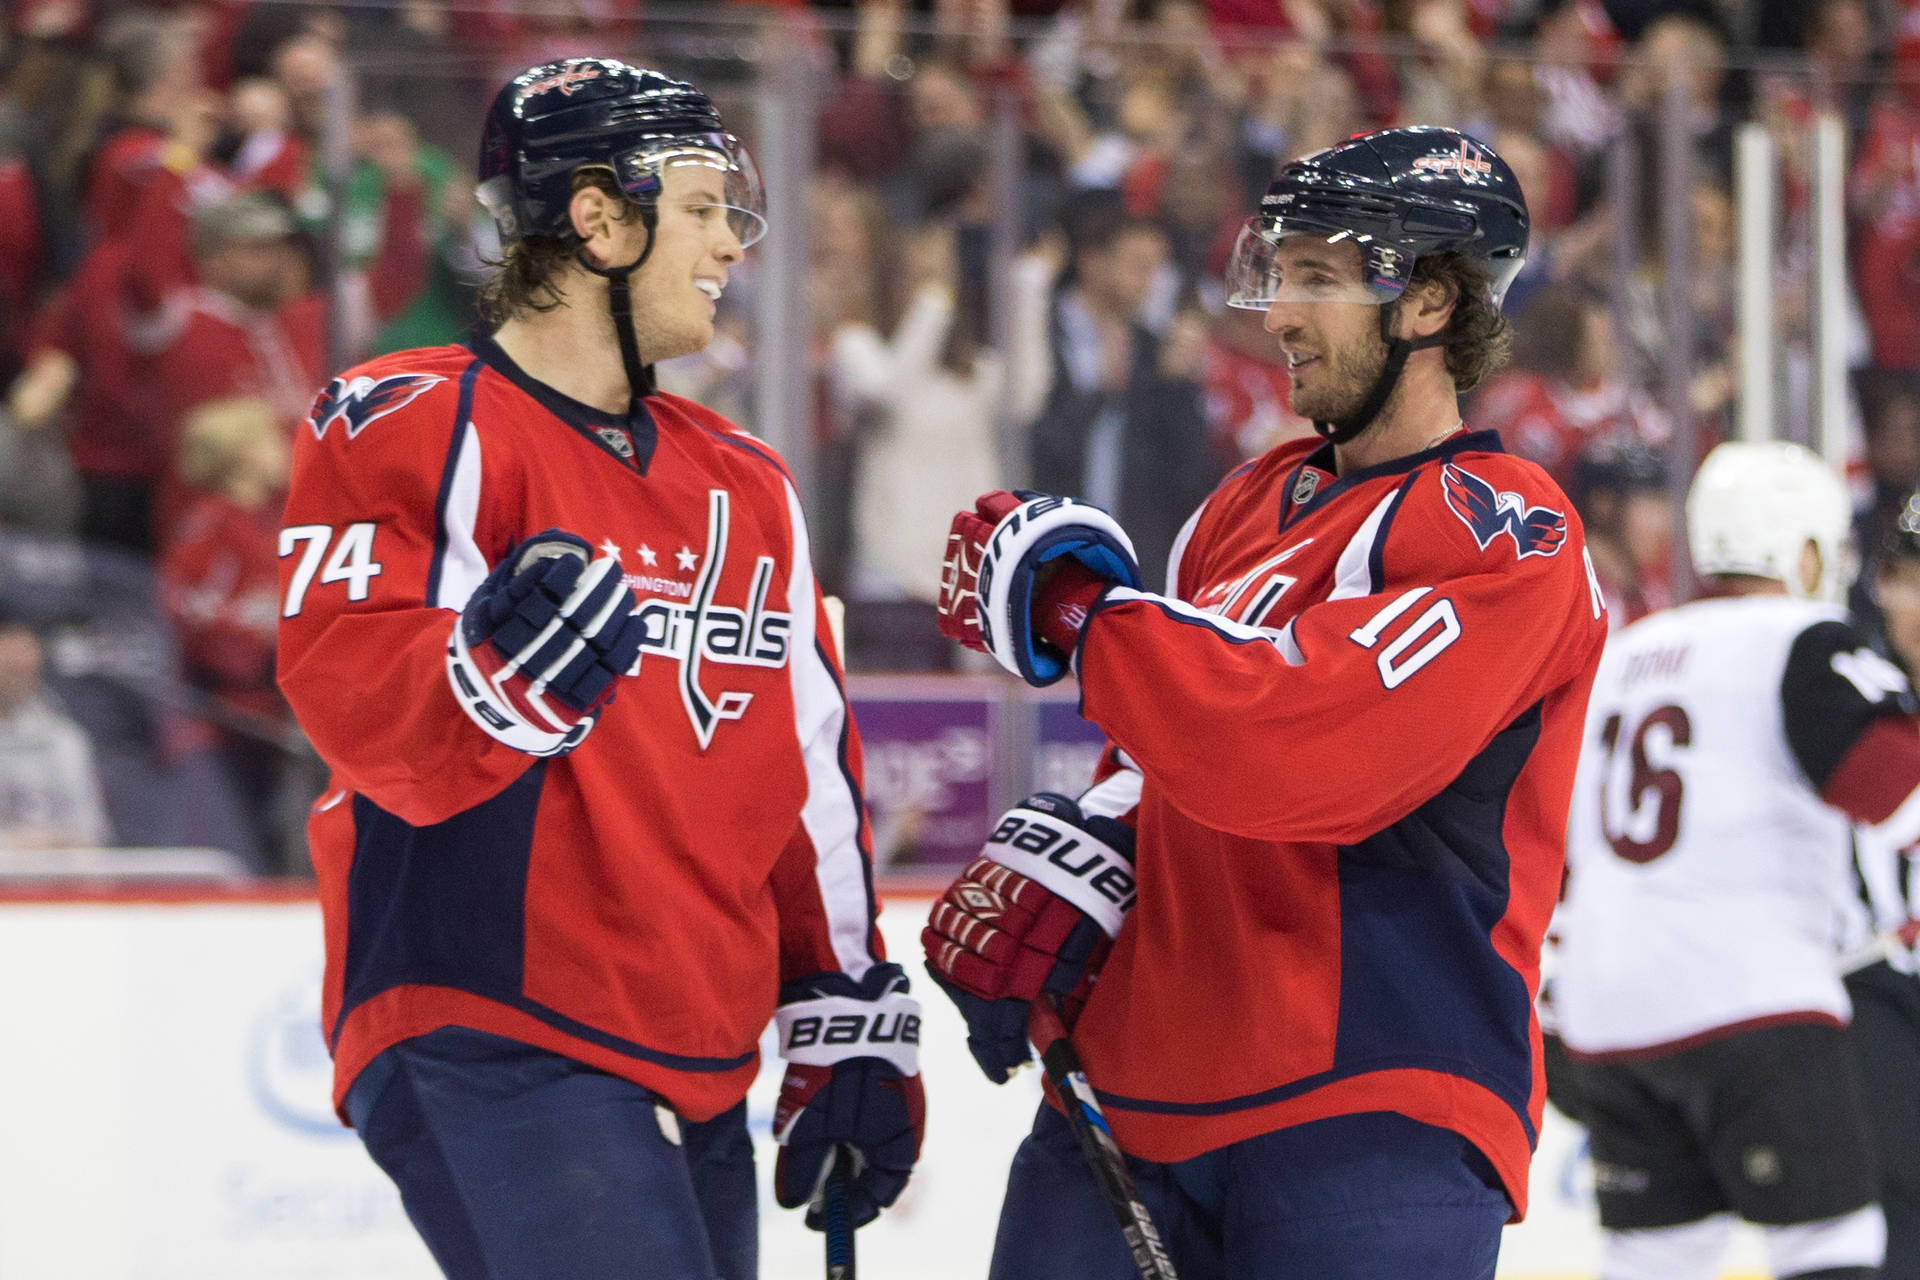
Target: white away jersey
{"points": [[1709, 843]]}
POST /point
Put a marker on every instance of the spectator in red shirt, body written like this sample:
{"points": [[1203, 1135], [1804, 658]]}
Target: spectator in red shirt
{"points": [[22, 255], [79, 373], [162, 116], [1884, 200], [253, 325], [1562, 392], [219, 574], [1620, 490]]}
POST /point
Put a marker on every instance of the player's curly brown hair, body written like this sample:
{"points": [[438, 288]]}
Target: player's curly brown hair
{"points": [[526, 276], [1478, 338]]}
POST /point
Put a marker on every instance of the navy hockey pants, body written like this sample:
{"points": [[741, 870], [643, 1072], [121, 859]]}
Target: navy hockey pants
{"points": [[1362, 1197], [518, 1164]]}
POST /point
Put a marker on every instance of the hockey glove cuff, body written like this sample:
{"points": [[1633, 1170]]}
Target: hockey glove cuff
{"points": [[996, 555], [853, 1080], [1036, 911]]}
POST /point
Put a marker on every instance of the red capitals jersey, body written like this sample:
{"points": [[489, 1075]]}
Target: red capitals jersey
{"points": [[220, 580], [635, 904], [1357, 724]]}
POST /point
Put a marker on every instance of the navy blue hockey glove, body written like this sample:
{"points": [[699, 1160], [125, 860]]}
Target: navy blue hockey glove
{"points": [[1036, 911], [535, 654], [995, 555], [853, 1080]]}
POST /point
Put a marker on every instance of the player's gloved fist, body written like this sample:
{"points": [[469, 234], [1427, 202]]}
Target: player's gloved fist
{"points": [[955, 612], [1036, 911], [535, 653], [853, 1080], [994, 577]]}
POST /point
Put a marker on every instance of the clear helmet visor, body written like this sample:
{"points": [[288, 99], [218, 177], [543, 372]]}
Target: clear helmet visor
{"points": [[684, 171], [1317, 265]]}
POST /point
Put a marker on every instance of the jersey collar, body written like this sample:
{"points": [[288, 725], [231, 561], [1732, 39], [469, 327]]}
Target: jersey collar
{"points": [[628, 438], [1313, 497]]}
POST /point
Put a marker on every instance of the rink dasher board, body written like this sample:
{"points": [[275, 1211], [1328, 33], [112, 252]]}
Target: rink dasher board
{"points": [[170, 1116]]}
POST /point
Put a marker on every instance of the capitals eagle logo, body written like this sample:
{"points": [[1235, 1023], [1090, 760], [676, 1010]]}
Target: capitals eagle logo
{"points": [[363, 400], [1536, 531]]}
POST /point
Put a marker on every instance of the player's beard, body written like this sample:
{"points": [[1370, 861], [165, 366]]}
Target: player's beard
{"points": [[1346, 378]]}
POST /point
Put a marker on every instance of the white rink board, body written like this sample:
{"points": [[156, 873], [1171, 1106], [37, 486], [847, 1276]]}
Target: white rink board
{"points": [[166, 1118]]}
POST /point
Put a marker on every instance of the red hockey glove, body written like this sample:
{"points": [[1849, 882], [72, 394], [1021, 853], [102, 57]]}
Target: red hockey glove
{"points": [[1037, 911], [535, 654], [1001, 563], [956, 612], [853, 1080]]}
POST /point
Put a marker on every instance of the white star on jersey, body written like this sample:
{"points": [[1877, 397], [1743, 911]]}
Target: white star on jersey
{"points": [[686, 558], [606, 545], [647, 555]]}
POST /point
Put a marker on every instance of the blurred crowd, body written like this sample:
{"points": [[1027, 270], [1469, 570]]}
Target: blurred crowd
{"points": [[1019, 212]]}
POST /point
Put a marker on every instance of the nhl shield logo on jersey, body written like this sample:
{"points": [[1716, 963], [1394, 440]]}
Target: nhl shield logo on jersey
{"points": [[363, 401], [617, 440], [1536, 531], [1306, 484]]}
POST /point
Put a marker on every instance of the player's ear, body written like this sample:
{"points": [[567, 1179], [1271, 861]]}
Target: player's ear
{"points": [[1811, 568], [592, 214], [1427, 305]]}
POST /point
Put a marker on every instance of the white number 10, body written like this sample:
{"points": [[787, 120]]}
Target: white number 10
{"points": [[352, 560], [1437, 627]]}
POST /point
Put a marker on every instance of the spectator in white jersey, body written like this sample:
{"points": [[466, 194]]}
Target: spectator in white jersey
{"points": [[1883, 972], [49, 791], [1732, 744]]}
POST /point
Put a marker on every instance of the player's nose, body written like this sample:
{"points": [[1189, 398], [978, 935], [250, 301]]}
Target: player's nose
{"points": [[1282, 319]]}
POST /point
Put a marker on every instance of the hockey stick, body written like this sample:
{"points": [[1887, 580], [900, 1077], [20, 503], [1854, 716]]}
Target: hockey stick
{"points": [[1089, 1124], [839, 1227]]}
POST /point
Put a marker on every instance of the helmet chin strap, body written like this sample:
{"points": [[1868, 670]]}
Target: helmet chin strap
{"points": [[1341, 430], [620, 306]]}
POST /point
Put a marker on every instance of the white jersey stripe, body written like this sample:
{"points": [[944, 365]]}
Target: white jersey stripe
{"points": [[1353, 574], [1179, 552], [1231, 630], [1902, 826], [1111, 797], [830, 815], [462, 567]]}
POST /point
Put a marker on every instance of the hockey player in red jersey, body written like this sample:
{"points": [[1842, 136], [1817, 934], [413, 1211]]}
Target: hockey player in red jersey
{"points": [[1341, 748], [595, 814]]}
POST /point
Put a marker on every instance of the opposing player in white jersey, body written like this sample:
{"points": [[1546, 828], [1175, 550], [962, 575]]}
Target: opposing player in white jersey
{"points": [[1882, 947], [1730, 744]]}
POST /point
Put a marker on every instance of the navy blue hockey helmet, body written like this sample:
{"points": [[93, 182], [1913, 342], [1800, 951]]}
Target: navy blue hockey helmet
{"points": [[1399, 194], [553, 119]]}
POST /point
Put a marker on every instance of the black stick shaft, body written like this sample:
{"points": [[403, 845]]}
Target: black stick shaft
{"points": [[839, 1232], [1089, 1124]]}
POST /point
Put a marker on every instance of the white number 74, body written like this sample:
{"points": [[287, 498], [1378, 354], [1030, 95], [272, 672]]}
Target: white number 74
{"points": [[352, 560]]}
